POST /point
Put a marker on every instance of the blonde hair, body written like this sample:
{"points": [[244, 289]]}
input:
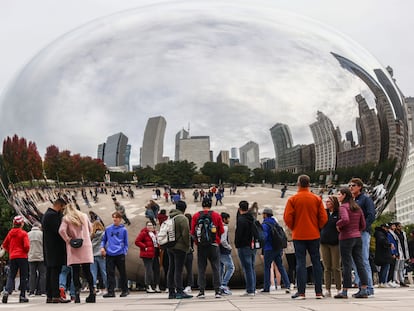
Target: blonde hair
{"points": [[72, 215], [97, 225]]}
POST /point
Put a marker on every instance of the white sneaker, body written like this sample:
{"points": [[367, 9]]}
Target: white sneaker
{"points": [[292, 286], [272, 288], [279, 287], [187, 290]]}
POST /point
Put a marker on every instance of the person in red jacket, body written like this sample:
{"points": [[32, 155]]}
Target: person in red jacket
{"points": [[149, 252], [17, 245]]}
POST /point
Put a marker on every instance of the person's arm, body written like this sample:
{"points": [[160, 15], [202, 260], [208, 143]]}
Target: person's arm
{"points": [[343, 217], [223, 239], [289, 215], [63, 231], [370, 210], [125, 241]]}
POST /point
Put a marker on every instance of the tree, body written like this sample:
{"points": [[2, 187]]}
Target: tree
{"points": [[175, 173], [218, 172], [51, 162], [21, 160]]}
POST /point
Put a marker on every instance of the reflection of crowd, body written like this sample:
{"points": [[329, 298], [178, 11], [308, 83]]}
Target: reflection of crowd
{"points": [[340, 231]]}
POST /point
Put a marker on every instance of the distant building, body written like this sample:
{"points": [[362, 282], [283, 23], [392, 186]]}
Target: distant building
{"points": [[153, 143], [223, 157], [326, 146], [234, 153], [113, 152], [249, 155], [234, 162], [404, 197], [195, 149], [409, 102], [183, 134], [127, 156], [282, 142], [268, 164]]}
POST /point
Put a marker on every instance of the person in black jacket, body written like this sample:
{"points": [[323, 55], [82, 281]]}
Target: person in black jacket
{"points": [[243, 242], [54, 250], [331, 257], [383, 256]]}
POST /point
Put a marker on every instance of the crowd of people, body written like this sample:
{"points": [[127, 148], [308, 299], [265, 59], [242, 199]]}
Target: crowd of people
{"points": [[332, 238]]}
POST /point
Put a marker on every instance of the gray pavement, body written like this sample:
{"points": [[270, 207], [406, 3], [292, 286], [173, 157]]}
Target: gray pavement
{"points": [[400, 299]]}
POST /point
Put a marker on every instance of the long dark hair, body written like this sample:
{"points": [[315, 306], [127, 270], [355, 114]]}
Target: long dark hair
{"points": [[349, 199]]}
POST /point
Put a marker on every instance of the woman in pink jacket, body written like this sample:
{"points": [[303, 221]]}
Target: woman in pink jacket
{"points": [[76, 225], [149, 252]]}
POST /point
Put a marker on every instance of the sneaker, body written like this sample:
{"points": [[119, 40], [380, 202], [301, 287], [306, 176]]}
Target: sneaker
{"points": [[5, 298], [183, 296], [124, 294], [201, 295], [402, 284], [272, 288], [292, 286], [341, 295], [218, 295], [171, 295], [108, 295], [32, 295], [360, 294], [319, 296], [187, 289], [62, 293], [264, 291], [279, 287], [225, 290], [298, 296], [246, 294], [328, 293], [287, 291]]}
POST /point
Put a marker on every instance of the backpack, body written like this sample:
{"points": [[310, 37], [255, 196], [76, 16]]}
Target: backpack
{"points": [[278, 235], [205, 229], [166, 235], [258, 235]]}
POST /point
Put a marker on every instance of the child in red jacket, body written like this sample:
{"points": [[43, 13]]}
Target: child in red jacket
{"points": [[17, 245]]}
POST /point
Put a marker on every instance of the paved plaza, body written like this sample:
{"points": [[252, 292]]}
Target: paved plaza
{"points": [[400, 299]]}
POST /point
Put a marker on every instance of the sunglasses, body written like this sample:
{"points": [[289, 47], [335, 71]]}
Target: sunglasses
{"points": [[352, 185]]}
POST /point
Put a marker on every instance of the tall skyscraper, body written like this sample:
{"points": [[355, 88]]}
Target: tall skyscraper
{"points": [[183, 134], [282, 141], [223, 157], [409, 102], [324, 136], [153, 143], [249, 155], [127, 156], [115, 149], [195, 149], [234, 153], [101, 151]]}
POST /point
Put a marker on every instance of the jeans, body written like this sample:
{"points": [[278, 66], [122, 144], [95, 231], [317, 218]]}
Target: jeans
{"points": [[383, 273], [312, 246], [22, 265], [189, 269], [269, 257], [226, 268], [99, 263], [210, 252], [351, 249], [399, 270], [37, 277], [175, 270], [63, 279], [366, 239], [247, 258], [118, 262]]}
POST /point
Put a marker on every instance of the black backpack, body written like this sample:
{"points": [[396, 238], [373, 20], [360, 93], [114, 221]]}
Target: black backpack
{"points": [[205, 229], [279, 239]]}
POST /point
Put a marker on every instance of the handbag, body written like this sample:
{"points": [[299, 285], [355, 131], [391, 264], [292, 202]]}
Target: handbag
{"points": [[76, 243]]}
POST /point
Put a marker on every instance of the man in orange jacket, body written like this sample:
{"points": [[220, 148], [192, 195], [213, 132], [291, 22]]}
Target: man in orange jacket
{"points": [[305, 215]]}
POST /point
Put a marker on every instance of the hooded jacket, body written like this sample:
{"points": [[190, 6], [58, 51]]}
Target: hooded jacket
{"points": [[182, 231], [244, 234], [146, 244], [115, 240], [36, 244], [382, 247], [17, 243]]}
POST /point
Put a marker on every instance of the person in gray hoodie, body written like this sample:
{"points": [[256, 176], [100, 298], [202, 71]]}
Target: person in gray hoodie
{"points": [[37, 268]]}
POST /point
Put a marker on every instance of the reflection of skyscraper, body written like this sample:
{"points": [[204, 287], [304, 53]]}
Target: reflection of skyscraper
{"points": [[153, 143], [249, 155], [183, 134], [195, 149], [282, 141], [101, 151], [409, 102], [115, 149], [404, 197], [127, 156], [324, 136], [234, 153]]}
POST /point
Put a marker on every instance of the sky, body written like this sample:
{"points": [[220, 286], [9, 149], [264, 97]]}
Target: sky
{"points": [[26, 27]]}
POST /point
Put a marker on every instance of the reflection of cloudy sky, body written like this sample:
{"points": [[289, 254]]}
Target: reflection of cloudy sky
{"points": [[232, 72]]}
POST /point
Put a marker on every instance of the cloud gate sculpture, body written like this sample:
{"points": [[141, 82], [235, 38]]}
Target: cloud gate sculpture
{"points": [[234, 71]]}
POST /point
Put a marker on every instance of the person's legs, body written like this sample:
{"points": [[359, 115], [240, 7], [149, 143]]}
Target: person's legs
{"points": [[178, 270], [228, 267], [202, 265], [94, 270], [120, 265], [170, 271], [268, 259], [24, 275], [336, 265], [214, 257], [281, 268], [156, 270], [383, 274], [301, 272], [32, 277], [101, 263], [88, 276], [41, 268], [366, 239], [189, 269], [110, 274], [345, 247], [245, 256], [314, 253], [148, 277], [11, 276], [327, 265]]}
